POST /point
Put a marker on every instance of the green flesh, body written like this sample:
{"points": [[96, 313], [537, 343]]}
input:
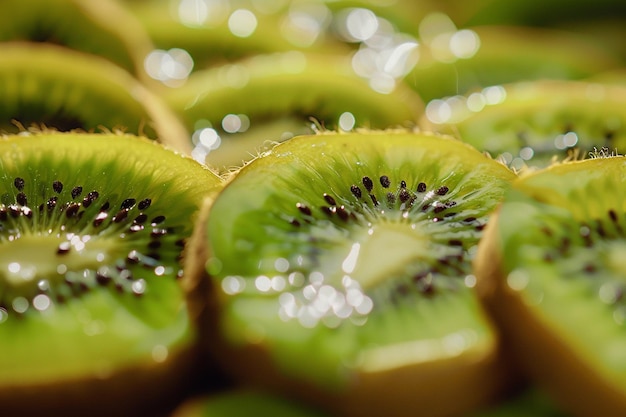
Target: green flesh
{"points": [[292, 86], [507, 54], [366, 288], [538, 121], [102, 28], [64, 89], [112, 299], [558, 254]]}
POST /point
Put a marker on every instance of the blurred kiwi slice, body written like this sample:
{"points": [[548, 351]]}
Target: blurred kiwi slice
{"points": [[530, 124], [244, 402], [93, 318], [550, 269], [236, 109], [104, 27], [56, 87], [456, 61], [339, 272]]}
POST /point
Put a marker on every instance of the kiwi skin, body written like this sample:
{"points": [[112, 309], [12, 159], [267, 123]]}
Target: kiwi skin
{"points": [[550, 363], [494, 376]]}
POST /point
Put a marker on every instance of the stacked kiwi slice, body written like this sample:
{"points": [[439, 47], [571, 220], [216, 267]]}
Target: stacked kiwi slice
{"points": [[311, 207]]}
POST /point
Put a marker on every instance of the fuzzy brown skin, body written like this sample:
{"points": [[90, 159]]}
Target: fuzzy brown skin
{"points": [[541, 353], [445, 389]]}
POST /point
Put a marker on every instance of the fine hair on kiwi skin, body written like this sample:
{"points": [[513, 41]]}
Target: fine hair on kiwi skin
{"points": [[529, 124], [275, 96], [253, 352], [551, 278], [105, 28], [93, 317], [57, 87]]}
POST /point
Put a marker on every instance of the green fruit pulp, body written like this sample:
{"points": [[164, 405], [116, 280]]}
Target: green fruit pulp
{"points": [[564, 248], [85, 290], [332, 283], [531, 123]]}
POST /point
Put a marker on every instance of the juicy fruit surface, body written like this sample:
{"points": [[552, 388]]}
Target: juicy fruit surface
{"points": [[557, 254], [357, 246], [90, 253], [531, 123]]}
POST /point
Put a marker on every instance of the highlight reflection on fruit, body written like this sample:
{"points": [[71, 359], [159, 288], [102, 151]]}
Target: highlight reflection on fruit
{"points": [[220, 207]]}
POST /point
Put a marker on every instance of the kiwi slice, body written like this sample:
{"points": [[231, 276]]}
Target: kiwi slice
{"points": [[271, 97], [550, 270], [480, 56], [104, 27], [244, 403], [339, 272], [53, 86], [532, 123], [529, 402], [93, 318]]}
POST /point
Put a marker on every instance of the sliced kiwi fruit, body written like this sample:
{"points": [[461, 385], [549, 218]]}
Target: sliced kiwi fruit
{"points": [[550, 269], [529, 402], [276, 96], [56, 87], [93, 318], [103, 27], [244, 403], [529, 124], [480, 56], [336, 269]]}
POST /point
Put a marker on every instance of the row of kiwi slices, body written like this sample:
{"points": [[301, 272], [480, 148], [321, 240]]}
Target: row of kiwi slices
{"points": [[315, 208]]}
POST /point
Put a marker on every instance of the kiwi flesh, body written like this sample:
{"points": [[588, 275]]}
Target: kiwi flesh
{"points": [[550, 271], [56, 87], [506, 54], [104, 28], [93, 317], [529, 124], [335, 268], [277, 95]]}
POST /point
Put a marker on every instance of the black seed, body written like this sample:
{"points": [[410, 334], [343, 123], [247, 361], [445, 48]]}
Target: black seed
{"points": [[343, 213], [141, 218], [19, 183], [136, 227], [451, 214], [14, 210], [120, 216], [133, 257], [469, 219], [57, 186], [403, 184], [327, 210], [72, 209], [105, 207], [330, 200], [155, 244], [21, 199], [404, 195], [64, 247], [600, 229], [367, 182], [180, 243], [443, 190], [356, 191], [449, 204], [76, 191], [51, 203], [613, 215], [100, 217], [303, 209], [144, 204], [421, 187], [3, 213], [425, 207], [128, 204], [154, 256], [455, 242], [90, 198], [391, 199], [374, 200], [439, 208], [480, 227], [26, 211], [157, 220], [295, 222], [157, 232], [384, 181], [102, 279]]}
